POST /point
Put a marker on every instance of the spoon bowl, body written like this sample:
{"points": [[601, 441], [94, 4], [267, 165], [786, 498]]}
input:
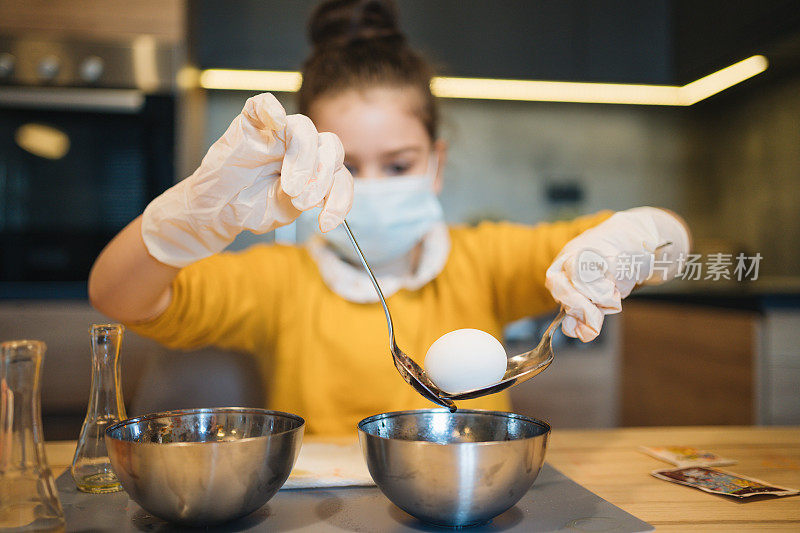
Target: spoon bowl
{"points": [[520, 368]]}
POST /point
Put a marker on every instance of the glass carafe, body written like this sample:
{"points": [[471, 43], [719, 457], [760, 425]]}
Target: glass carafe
{"points": [[28, 495], [91, 467]]}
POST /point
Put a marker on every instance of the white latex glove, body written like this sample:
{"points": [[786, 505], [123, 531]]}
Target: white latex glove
{"points": [[263, 171], [601, 266]]}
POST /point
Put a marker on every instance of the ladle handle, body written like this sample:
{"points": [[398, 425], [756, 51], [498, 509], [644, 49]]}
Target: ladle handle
{"points": [[562, 313], [371, 277]]}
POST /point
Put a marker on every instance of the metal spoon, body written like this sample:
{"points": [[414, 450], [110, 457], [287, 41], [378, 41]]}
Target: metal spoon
{"points": [[520, 368]]}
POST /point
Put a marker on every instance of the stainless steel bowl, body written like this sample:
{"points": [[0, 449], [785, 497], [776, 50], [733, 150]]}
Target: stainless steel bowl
{"points": [[453, 469], [204, 466]]}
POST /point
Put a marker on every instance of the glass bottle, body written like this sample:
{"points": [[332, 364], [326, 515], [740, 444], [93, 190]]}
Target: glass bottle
{"points": [[91, 467], [28, 496]]}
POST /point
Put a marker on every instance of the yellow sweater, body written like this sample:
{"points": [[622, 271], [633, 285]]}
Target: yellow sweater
{"points": [[326, 359]]}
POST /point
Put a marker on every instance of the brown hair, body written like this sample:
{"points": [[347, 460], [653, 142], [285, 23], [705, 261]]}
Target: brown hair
{"points": [[358, 44]]}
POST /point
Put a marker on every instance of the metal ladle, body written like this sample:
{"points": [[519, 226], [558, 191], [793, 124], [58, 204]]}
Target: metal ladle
{"points": [[519, 368]]}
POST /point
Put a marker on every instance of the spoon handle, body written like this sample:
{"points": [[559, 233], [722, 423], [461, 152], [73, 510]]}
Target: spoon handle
{"points": [[371, 277], [562, 313]]}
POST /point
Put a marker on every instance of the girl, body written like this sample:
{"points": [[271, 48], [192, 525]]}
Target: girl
{"points": [[309, 313]]}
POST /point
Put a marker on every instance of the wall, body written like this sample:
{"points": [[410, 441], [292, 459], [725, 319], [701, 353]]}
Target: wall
{"points": [[503, 154], [744, 175]]}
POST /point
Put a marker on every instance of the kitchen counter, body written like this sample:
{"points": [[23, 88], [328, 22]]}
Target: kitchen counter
{"points": [[607, 462], [759, 295]]}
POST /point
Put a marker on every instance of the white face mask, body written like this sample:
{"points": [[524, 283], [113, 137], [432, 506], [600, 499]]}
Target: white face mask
{"points": [[389, 217]]}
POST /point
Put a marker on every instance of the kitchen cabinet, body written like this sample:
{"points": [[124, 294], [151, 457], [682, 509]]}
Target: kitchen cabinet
{"points": [[710, 34], [684, 364], [164, 19], [694, 364], [778, 391], [623, 41], [149, 370], [626, 41]]}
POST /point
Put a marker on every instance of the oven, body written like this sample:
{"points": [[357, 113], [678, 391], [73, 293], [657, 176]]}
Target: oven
{"points": [[86, 141]]}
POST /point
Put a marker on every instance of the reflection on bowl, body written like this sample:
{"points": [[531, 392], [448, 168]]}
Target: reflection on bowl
{"points": [[204, 466], [453, 469]]}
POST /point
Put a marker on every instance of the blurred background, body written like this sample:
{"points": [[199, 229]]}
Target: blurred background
{"points": [[105, 103]]}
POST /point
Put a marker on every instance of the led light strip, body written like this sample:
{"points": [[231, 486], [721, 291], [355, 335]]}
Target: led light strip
{"points": [[524, 90], [251, 80]]}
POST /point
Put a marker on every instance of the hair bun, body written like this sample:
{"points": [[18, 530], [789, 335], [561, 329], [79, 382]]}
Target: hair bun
{"points": [[342, 22]]}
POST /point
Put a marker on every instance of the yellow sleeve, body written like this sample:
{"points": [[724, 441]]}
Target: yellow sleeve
{"points": [[229, 300], [519, 256]]}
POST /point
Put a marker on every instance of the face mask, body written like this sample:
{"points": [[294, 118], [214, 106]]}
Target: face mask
{"points": [[389, 217]]}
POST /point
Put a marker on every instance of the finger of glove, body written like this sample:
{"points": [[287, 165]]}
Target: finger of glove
{"points": [[330, 154], [575, 304], [601, 290], [578, 330], [595, 285], [265, 113], [636, 268], [249, 147], [339, 200], [300, 159]]}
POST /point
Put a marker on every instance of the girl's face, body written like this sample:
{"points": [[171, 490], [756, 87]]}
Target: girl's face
{"points": [[381, 134]]}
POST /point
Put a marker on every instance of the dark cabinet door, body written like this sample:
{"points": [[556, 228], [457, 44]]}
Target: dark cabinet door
{"points": [[618, 41]]}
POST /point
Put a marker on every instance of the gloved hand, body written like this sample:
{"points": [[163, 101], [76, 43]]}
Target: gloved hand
{"points": [[263, 171], [601, 266]]}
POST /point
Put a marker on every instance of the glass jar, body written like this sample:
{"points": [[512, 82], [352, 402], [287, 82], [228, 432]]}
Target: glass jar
{"points": [[28, 496], [91, 467]]}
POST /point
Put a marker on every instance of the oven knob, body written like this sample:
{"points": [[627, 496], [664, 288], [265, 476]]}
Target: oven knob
{"points": [[48, 68], [91, 69], [6, 65]]}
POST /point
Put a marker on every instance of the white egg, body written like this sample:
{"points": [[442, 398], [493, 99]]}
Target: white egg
{"points": [[465, 359]]}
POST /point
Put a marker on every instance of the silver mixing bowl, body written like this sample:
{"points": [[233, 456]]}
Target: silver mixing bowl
{"points": [[204, 466], [453, 469]]}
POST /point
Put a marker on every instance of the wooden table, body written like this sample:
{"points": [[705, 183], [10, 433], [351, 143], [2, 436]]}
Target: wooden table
{"points": [[607, 462]]}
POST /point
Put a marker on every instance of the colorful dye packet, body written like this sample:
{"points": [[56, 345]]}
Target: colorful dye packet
{"points": [[682, 456], [720, 482]]}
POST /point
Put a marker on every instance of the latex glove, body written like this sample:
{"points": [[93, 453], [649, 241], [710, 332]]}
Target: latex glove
{"points": [[601, 266], [261, 174]]}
